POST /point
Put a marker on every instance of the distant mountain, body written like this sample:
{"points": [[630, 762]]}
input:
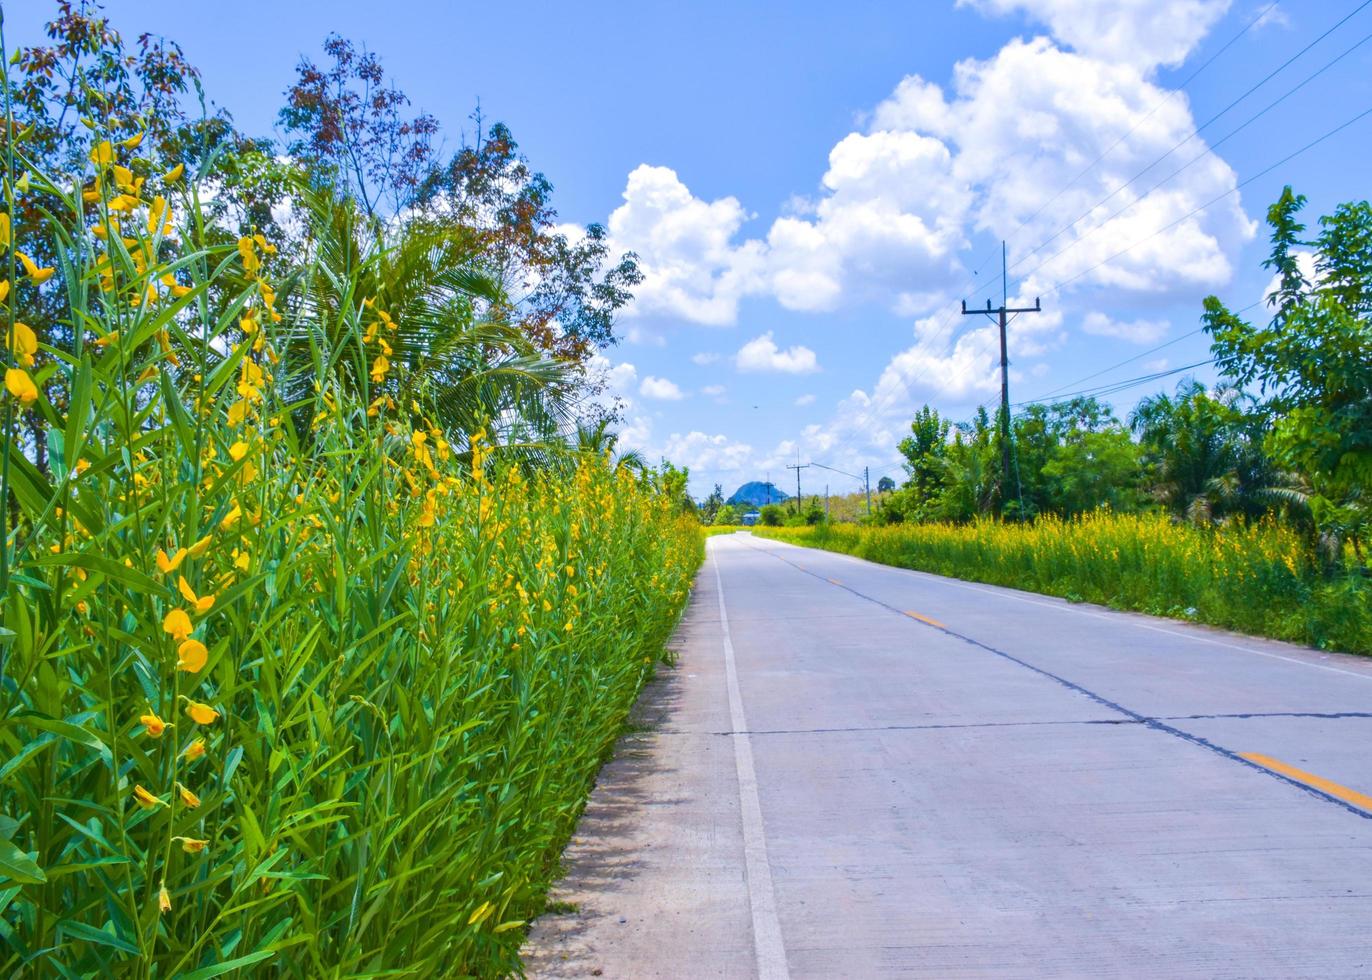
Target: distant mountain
{"points": [[756, 494]]}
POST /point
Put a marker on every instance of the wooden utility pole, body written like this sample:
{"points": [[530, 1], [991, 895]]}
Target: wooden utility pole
{"points": [[1000, 314]]}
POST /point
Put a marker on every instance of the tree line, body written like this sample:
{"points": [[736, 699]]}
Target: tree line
{"points": [[1286, 433]]}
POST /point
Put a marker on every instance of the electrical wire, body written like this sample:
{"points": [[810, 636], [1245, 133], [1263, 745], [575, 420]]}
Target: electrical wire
{"points": [[1196, 131]]}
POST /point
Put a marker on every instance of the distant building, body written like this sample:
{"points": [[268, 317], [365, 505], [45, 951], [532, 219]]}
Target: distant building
{"points": [[750, 518]]}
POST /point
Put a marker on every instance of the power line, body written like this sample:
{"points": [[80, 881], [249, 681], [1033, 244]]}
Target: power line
{"points": [[1196, 159], [1136, 357], [878, 404], [1171, 93], [1118, 386], [1215, 200], [1145, 117], [1197, 130]]}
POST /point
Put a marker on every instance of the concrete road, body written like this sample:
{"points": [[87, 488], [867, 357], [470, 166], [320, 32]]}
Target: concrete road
{"points": [[861, 771]]}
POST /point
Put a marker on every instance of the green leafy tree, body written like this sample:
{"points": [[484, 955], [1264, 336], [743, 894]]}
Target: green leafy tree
{"points": [[727, 515], [926, 455], [772, 515], [1071, 457], [1311, 365], [709, 508]]}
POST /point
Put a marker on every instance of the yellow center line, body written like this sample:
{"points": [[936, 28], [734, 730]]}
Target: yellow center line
{"points": [[925, 619], [1310, 779]]}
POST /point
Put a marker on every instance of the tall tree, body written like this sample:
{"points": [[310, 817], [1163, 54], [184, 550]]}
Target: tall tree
{"points": [[1312, 363]]}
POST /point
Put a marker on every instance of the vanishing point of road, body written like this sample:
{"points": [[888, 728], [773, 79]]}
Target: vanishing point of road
{"points": [[862, 771]]}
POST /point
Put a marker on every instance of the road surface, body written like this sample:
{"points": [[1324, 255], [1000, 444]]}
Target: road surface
{"points": [[862, 771]]}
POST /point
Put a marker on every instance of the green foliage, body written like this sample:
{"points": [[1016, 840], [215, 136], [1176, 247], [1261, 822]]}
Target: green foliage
{"points": [[772, 515], [1312, 363], [727, 515]]}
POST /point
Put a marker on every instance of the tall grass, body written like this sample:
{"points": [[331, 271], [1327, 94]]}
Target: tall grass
{"points": [[1258, 578], [288, 686]]}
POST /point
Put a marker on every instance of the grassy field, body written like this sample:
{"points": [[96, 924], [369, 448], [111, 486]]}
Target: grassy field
{"points": [[1261, 579], [291, 685]]}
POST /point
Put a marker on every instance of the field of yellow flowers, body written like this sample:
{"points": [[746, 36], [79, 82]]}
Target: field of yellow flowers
{"points": [[289, 684], [1258, 578]]}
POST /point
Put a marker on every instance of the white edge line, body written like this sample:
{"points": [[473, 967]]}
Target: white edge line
{"points": [[1114, 615], [767, 944]]}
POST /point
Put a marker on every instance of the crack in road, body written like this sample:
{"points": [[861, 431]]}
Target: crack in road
{"points": [[1156, 724]]}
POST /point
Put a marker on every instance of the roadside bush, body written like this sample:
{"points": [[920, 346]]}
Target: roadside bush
{"points": [[290, 684]]}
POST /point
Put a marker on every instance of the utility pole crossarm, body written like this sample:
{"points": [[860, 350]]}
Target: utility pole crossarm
{"points": [[1001, 314]]}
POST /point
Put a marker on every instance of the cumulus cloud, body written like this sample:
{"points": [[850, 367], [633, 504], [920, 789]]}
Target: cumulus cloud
{"points": [[1135, 331], [1143, 33], [763, 354], [1025, 125], [1015, 146], [706, 453], [690, 266], [661, 389]]}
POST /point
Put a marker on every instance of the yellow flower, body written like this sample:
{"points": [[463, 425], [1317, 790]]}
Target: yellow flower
{"points": [[21, 386], [145, 799], [132, 142], [177, 623], [39, 276], [192, 845], [107, 339], [238, 450], [248, 252], [163, 899], [379, 368], [4, 230], [201, 713], [195, 750], [4, 283], [102, 154], [154, 725], [200, 547], [25, 344], [202, 604], [167, 565], [159, 214], [191, 655], [188, 798], [174, 174]]}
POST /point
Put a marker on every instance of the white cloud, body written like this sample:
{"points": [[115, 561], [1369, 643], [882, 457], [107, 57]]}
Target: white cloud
{"points": [[762, 354], [1014, 147], [804, 400], [704, 358], [1025, 128], [1136, 331], [707, 453], [661, 389], [1273, 16], [1143, 33], [713, 391], [691, 268]]}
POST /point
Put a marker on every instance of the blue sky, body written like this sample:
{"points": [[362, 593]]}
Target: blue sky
{"points": [[813, 188]]}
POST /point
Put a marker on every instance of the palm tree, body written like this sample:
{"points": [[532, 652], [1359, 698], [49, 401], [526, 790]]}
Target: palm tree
{"points": [[1206, 451], [595, 438], [448, 342]]}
